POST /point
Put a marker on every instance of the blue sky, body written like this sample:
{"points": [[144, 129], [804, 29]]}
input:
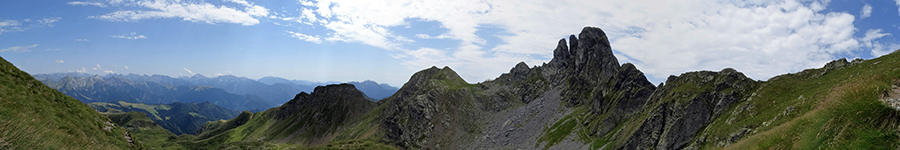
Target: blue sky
{"points": [[389, 40]]}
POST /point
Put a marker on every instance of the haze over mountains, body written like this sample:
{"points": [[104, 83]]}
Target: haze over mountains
{"points": [[229, 91]]}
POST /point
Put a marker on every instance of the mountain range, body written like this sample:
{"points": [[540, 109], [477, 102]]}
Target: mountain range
{"points": [[273, 89], [582, 99], [118, 88]]}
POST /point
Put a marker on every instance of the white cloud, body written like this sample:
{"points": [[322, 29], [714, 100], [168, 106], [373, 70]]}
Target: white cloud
{"points": [[98, 4], [898, 6], [762, 38], [187, 11], [126, 66], [873, 34], [10, 26], [426, 36], [866, 11], [83, 70], [19, 49], [49, 21], [59, 61], [305, 37], [133, 36], [878, 48], [188, 70], [98, 67], [25, 24], [82, 40], [109, 71]]}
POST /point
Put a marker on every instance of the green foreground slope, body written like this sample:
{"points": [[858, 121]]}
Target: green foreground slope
{"points": [[34, 116]]}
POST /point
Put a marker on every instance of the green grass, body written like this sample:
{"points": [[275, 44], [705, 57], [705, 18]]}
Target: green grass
{"points": [[840, 110], [146, 132], [34, 116], [562, 128]]}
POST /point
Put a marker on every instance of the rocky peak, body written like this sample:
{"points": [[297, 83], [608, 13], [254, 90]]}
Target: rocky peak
{"points": [[573, 43], [432, 77], [324, 98], [520, 72], [593, 52], [837, 64], [560, 55]]}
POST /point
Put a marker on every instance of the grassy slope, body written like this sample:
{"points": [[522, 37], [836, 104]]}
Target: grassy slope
{"points": [[146, 132], [34, 116], [838, 110]]}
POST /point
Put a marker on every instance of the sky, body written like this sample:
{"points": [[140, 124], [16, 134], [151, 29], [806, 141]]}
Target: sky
{"points": [[389, 40]]}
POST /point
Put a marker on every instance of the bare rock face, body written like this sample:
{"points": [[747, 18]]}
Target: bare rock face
{"points": [[688, 103], [426, 112]]}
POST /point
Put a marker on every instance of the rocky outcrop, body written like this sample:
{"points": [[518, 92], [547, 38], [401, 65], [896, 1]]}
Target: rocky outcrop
{"points": [[430, 111], [686, 104], [321, 112]]}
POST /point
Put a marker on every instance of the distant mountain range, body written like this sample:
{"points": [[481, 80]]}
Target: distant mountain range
{"points": [[118, 88], [275, 90], [370, 88]]}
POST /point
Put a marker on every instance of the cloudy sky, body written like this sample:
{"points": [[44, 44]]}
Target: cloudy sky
{"points": [[389, 40]]}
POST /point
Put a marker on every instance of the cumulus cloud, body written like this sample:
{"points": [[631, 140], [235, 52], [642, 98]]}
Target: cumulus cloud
{"points": [[82, 40], [19, 49], [188, 70], [866, 11], [59, 61], [82, 70], [10, 26], [108, 71], [126, 66], [185, 10], [762, 38], [133, 36], [305, 37], [24, 24], [878, 48], [49, 21], [898, 6], [98, 67], [98, 4]]}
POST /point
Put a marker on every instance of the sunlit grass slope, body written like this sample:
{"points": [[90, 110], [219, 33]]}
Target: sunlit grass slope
{"points": [[34, 116]]}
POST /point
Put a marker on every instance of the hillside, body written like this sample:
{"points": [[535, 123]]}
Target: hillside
{"points": [[34, 116], [180, 118], [147, 133], [119, 88]]}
